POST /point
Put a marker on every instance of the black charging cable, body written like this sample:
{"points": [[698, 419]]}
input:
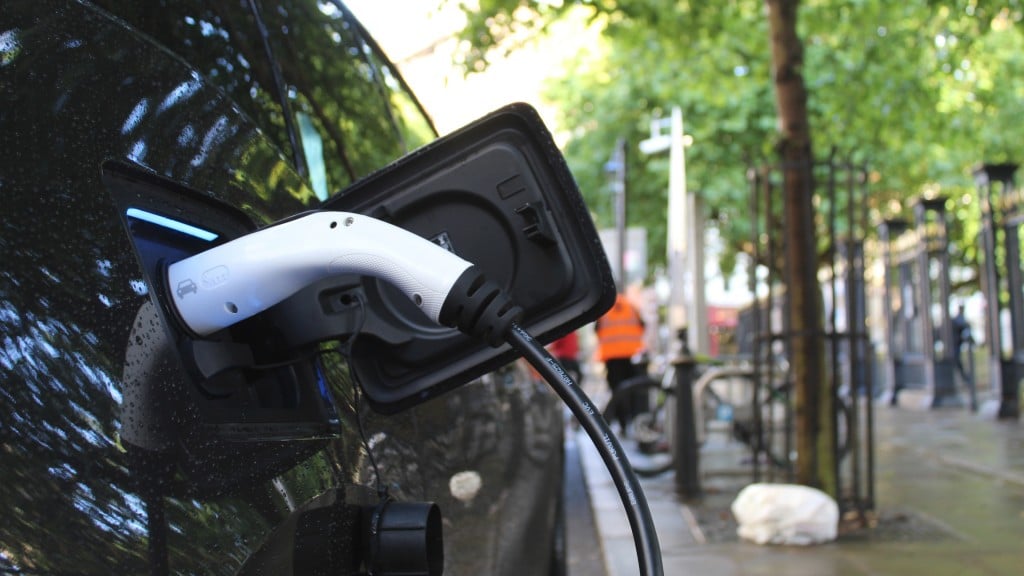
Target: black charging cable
{"points": [[645, 538], [479, 307]]}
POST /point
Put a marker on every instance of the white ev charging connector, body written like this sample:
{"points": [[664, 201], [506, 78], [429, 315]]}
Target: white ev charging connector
{"points": [[229, 283]]}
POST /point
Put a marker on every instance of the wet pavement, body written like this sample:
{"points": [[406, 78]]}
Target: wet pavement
{"points": [[949, 501]]}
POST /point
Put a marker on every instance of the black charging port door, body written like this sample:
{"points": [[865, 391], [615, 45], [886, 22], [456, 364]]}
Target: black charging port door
{"points": [[499, 194]]}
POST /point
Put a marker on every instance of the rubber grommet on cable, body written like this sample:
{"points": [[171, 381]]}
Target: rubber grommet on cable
{"points": [[479, 307]]}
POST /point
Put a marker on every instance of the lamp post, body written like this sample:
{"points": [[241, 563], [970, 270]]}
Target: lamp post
{"points": [[1001, 208], [681, 252], [615, 172]]}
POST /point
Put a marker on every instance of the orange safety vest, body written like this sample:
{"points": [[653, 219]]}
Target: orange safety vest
{"points": [[620, 332]]}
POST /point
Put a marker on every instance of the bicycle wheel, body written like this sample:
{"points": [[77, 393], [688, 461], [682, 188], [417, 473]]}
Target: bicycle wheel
{"points": [[777, 427], [776, 440], [718, 401], [648, 407]]}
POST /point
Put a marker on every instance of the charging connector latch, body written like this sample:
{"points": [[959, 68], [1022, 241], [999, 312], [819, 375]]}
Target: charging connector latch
{"points": [[538, 229]]}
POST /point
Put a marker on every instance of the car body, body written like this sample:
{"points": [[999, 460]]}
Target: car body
{"points": [[115, 457]]}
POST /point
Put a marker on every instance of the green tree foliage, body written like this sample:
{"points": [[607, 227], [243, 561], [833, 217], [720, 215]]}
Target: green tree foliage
{"points": [[921, 90]]}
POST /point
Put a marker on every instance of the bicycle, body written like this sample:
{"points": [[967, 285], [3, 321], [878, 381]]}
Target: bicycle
{"points": [[723, 403], [650, 402], [772, 435]]}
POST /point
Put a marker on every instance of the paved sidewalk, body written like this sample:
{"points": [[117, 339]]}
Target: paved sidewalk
{"points": [[950, 501]]}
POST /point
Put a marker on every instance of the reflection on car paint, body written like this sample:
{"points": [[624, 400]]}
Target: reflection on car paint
{"points": [[105, 467]]}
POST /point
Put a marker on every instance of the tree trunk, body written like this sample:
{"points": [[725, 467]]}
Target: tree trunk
{"points": [[813, 409]]}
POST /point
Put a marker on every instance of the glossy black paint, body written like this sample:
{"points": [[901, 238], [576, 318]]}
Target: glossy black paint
{"points": [[109, 462]]}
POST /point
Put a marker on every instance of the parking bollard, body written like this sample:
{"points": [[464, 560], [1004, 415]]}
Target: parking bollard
{"points": [[685, 453]]}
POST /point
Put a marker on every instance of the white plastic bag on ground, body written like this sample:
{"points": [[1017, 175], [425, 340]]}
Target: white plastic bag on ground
{"points": [[785, 514]]}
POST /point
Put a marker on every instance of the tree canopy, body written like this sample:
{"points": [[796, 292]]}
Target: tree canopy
{"points": [[920, 90]]}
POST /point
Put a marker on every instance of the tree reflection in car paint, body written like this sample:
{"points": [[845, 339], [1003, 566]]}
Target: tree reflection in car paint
{"points": [[79, 90]]}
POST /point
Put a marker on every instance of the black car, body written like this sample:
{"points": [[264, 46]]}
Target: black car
{"points": [[132, 132]]}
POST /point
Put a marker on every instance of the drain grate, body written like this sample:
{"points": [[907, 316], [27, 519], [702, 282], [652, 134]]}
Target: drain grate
{"points": [[899, 525]]}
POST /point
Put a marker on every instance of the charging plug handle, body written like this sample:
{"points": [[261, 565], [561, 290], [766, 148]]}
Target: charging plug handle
{"points": [[229, 283]]}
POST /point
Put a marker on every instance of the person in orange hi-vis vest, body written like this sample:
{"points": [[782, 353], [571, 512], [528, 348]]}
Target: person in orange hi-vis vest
{"points": [[620, 337]]}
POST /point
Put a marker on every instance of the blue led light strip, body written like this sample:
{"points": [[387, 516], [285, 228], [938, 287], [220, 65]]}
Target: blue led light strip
{"points": [[171, 224]]}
